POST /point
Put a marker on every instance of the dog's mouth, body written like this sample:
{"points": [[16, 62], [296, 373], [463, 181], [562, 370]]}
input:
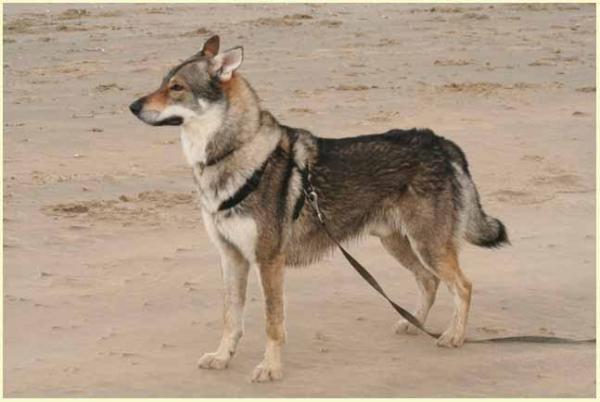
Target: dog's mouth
{"points": [[151, 119], [170, 121]]}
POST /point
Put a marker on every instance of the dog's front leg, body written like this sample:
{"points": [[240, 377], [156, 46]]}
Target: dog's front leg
{"points": [[271, 276], [234, 270]]}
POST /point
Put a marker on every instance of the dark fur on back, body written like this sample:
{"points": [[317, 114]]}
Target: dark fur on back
{"points": [[360, 180], [363, 172], [357, 179]]}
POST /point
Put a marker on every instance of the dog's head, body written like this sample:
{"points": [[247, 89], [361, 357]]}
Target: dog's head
{"points": [[190, 89]]}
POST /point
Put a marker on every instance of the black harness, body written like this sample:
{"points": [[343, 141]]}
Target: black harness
{"points": [[253, 181], [249, 186]]}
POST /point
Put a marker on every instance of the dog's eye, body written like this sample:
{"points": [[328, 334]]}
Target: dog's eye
{"points": [[176, 87]]}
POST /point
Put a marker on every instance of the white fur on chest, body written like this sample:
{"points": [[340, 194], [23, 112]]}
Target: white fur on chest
{"points": [[198, 131], [241, 231]]}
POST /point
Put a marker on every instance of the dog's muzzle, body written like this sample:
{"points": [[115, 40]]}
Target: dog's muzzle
{"points": [[150, 117]]}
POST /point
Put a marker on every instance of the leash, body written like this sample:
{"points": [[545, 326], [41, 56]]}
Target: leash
{"points": [[311, 195]]}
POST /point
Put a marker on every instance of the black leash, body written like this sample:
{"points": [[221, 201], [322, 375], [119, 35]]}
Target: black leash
{"points": [[311, 195]]}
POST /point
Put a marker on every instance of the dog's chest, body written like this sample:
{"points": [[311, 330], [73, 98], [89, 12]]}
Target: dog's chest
{"points": [[238, 230], [214, 188]]}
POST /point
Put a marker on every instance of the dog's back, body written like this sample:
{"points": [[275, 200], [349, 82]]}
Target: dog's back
{"points": [[389, 182]]}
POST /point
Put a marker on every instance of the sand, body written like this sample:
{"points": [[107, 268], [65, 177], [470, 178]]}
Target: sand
{"points": [[112, 287]]}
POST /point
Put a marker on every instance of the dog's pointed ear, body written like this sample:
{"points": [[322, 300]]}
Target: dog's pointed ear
{"points": [[223, 65], [211, 46]]}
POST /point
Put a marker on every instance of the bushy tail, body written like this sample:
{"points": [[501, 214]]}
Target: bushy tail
{"points": [[479, 228], [485, 231]]}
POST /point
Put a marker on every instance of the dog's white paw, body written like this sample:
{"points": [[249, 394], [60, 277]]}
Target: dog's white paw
{"points": [[267, 372], [213, 361], [404, 327], [451, 338]]}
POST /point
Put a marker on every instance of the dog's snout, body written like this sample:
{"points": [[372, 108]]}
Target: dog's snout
{"points": [[136, 106]]}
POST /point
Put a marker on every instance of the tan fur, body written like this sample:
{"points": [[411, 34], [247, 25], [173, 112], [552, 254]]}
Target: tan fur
{"points": [[239, 94], [271, 278], [232, 89], [399, 247], [450, 273], [158, 100], [211, 47]]}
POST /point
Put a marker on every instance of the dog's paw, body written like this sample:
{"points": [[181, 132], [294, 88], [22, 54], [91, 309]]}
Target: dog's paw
{"points": [[451, 338], [213, 361], [265, 372], [403, 327]]}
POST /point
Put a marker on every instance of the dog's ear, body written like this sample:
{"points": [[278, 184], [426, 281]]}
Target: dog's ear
{"points": [[223, 65], [211, 46]]}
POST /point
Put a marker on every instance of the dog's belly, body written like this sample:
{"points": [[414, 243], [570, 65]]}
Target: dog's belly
{"points": [[309, 242], [307, 252]]}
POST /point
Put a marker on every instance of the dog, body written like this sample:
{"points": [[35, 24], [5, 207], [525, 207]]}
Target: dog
{"points": [[410, 188]]}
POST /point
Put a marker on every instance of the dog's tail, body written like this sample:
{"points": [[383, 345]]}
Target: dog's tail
{"points": [[485, 231], [479, 228]]}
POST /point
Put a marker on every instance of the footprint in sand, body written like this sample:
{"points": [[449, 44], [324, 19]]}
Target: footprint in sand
{"points": [[562, 180], [520, 197], [586, 89], [148, 207], [301, 110], [532, 158]]}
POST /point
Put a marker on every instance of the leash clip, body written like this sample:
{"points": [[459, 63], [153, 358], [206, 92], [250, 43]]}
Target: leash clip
{"points": [[311, 194], [313, 198]]}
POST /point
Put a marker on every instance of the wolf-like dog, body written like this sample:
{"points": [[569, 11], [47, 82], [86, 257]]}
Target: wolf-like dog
{"points": [[410, 188]]}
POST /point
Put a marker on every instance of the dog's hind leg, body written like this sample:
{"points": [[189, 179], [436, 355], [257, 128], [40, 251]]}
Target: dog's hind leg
{"points": [[271, 277], [442, 261], [234, 269], [448, 270], [399, 247]]}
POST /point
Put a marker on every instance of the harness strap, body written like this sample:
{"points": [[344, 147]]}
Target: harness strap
{"points": [[249, 186], [311, 195], [252, 183]]}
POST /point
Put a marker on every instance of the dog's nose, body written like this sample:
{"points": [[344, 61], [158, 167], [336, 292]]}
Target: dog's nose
{"points": [[136, 106]]}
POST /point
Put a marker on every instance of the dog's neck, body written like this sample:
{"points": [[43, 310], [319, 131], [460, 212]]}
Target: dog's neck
{"points": [[245, 139], [223, 127]]}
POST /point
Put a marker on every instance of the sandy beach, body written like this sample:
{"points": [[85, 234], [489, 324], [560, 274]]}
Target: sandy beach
{"points": [[113, 289]]}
